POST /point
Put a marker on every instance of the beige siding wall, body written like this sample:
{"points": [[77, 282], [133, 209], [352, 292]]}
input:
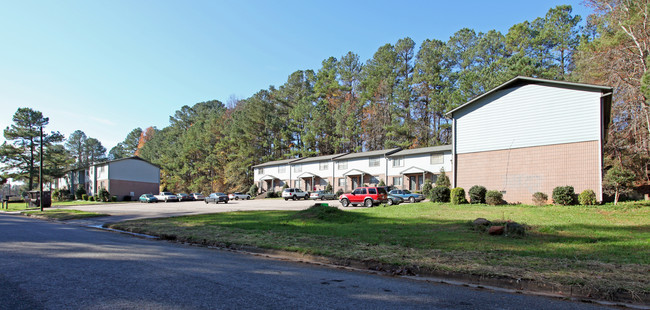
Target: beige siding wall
{"points": [[524, 171], [121, 188]]}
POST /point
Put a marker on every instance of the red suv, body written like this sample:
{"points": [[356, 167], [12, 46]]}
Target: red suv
{"points": [[368, 196]]}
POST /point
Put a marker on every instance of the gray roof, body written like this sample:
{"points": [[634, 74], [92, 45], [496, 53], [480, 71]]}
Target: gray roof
{"points": [[423, 150], [522, 80], [318, 158], [277, 162], [369, 154]]}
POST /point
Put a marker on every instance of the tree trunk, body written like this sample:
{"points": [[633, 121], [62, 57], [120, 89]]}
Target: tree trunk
{"points": [[616, 197]]}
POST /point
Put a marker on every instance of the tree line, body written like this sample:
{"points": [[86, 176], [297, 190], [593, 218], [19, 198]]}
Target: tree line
{"points": [[399, 97]]}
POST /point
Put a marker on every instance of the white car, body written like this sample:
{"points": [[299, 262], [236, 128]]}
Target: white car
{"points": [[294, 193], [237, 196]]}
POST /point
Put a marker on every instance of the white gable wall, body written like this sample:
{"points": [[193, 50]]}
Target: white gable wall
{"points": [[133, 170], [526, 116]]}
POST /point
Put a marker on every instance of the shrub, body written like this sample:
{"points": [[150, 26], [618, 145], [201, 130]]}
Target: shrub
{"points": [[91, 198], [339, 192], [79, 192], [427, 188], [381, 183], [443, 179], [84, 197], [477, 194], [271, 195], [253, 190], [493, 198], [587, 197], [285, 186], [564, 195], [458, 196], [328, 188], [114, 198], [103, 195], [440, 194], [540, 199], [127, 198]]}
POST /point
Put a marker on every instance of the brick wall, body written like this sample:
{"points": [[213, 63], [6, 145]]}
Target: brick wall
{"points": [[524, 171], [121, 188]]}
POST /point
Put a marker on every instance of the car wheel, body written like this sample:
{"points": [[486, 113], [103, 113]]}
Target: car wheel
{"points": [[236, 198], [227, 201], [248, 197], [367, 203], [285, 199], [322, 198], [294, 197], [345, 202], [411, 199], [306, 197], [389, 202]]}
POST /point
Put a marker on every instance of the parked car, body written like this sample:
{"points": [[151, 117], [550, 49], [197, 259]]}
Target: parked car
{"points": [[368, 196], [294, 193], [166, 196], [148, 198], [184, 197], [322, 195], [407, 195], [197, 196], [237, 196], [216, 198], [394, 200]]}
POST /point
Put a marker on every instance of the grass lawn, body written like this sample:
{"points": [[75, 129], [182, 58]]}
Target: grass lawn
{"points": [[63, 215], [604, 249]]}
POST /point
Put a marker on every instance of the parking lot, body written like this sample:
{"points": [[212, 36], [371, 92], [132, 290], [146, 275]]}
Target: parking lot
{"points": [[135, 210]]}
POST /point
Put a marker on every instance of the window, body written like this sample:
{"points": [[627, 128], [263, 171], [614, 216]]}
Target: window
{"points": [[373, 162], [436, 159], [323, 165], [342, 165], [260, 170], [372, 191], [342, 182], [297, 184], [282, 169], [359, 191], [398, 162], [297, 168], [397, 181]]}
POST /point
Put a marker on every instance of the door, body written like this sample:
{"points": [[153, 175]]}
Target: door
{"points": [[412, 182], [355, 182]]}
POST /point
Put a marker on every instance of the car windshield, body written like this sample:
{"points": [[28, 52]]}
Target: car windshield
{"points": [[406, 191], [220, 194]]}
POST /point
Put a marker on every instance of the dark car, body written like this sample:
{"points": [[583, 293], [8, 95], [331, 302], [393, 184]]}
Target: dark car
{"points": [[407, 195], [322, 195], [197, 196], [394, 200], [368, 196], [148, 198], [216, 198]]}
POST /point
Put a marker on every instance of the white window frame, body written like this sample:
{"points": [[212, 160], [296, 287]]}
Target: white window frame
{"points": [[282, 169], [398, 161], [323, 166], [297, 168], [440, 158], [374, 161], [344, 181], [342, 165], [399, 179], [260, 170]]}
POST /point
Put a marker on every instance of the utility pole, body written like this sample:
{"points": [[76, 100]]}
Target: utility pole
{"points": [[40, 171]]}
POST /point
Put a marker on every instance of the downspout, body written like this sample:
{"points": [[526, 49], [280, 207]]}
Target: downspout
{"points": [[454, 156]]}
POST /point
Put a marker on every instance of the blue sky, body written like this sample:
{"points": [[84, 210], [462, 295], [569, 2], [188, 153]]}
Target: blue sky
{"points": [[106, 67]]}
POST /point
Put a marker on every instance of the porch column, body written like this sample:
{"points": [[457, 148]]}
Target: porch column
{"points": [[312, 183]]}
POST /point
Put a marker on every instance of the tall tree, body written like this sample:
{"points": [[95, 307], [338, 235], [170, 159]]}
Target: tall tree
{"points": [[94, 150], [20, 157], [127, 147], [75, 144]]}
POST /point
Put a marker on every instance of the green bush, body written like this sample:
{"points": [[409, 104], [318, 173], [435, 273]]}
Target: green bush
{"points": [[285, 186], [271, 195], [339, 192], [440, 194], [494, 198], [328, 188], [427, 188], [84, 197], [458, 196], [91, 198], [253, 190], [381, 183], [114, 198], [127, 198], [564, 195], [103, 195], [540, 199], [79, 192], [477, 194], [587, 197], [443, 179]]}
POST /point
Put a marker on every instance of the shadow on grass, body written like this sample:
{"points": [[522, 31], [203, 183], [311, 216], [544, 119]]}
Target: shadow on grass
{"points": [[606, 243]]}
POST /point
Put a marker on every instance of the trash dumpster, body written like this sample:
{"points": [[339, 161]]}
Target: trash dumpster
{"points": [[34, 199]]}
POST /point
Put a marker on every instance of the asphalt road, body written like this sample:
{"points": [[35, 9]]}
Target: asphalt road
{"points": [[49, 265]]}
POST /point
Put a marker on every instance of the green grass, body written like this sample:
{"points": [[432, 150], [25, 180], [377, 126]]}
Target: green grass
{"points": [[606, 248], [63, 215]]}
